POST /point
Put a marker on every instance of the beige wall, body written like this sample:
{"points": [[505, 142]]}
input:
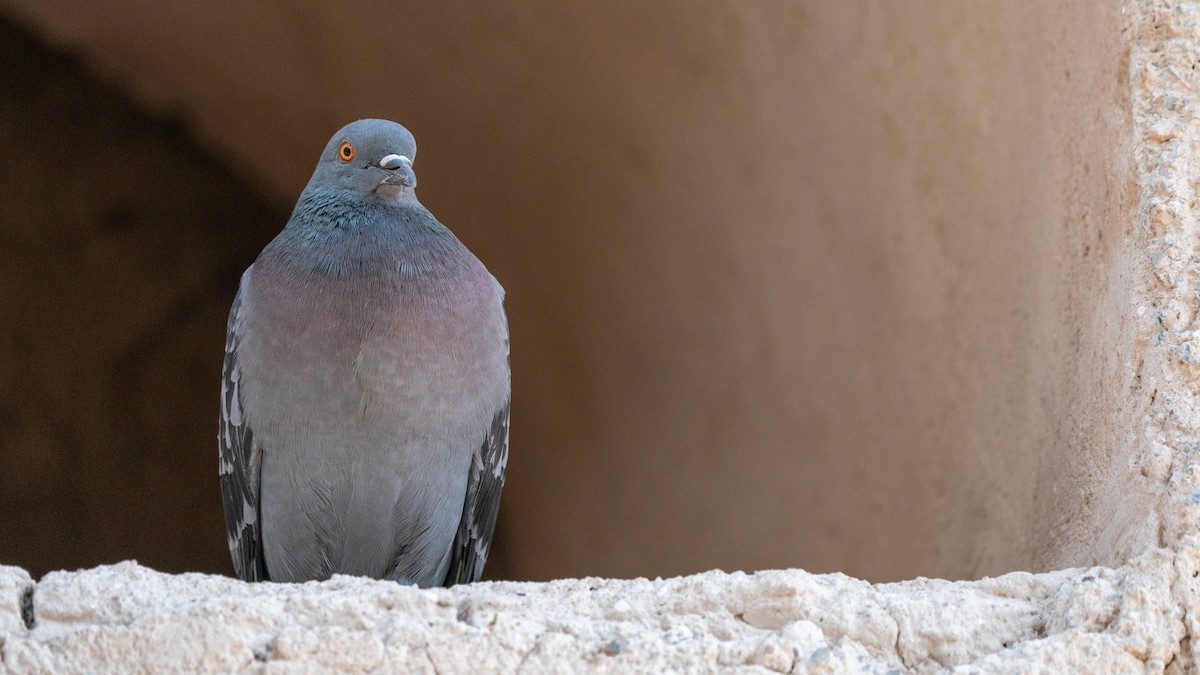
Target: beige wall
{"points": [[841, 285]]}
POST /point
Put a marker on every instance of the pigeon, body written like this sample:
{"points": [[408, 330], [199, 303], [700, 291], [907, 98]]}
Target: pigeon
{"points": [[366, 386]]}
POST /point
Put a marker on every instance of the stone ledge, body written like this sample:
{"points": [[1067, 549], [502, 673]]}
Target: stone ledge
{"points": [[124, 617]]}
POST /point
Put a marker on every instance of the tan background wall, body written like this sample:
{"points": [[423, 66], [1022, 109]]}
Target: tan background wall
{"points": [[840, 285]]}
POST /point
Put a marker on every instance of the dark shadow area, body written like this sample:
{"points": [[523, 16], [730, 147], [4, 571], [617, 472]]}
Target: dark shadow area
{"points": [[123, 244]]}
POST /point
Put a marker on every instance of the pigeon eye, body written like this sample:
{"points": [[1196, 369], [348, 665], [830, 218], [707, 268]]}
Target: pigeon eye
{"points": [[346, 151]]}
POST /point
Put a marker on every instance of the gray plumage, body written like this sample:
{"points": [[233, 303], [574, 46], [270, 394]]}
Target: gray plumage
{"points": [[365, 393]]}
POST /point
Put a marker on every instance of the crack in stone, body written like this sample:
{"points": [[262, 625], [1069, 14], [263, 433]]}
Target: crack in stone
{"points": [[261, 654], [526, 657], [27, 614], [899, 651], [1181, 598], [882, 603]]}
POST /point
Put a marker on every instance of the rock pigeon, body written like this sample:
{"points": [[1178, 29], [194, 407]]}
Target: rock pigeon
{"points": [[365, 393]]}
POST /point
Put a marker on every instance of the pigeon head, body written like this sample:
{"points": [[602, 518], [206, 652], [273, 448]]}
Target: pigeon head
{"points": [[370, 158]]}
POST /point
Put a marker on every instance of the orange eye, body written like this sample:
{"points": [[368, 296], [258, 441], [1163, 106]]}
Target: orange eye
{"points": [[346, 151]]}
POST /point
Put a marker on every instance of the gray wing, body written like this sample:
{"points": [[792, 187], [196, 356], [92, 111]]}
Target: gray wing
{"points": [[240, 460], [478, 522]]}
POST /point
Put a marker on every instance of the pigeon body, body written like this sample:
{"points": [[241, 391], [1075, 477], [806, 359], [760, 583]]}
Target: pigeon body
{"points": [[364, 417]]}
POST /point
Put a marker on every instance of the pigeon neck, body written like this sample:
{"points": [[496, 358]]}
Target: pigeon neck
{"points": [[335, 233]]}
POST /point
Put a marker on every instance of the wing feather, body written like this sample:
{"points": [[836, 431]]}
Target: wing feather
{"points": [[482, 503], [240, 460]]}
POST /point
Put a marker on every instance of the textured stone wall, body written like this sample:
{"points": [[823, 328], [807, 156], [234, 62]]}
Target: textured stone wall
{"points": [[122, 617]]}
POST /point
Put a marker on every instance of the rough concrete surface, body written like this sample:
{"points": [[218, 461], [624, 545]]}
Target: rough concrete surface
{"points": [[125, 617]]}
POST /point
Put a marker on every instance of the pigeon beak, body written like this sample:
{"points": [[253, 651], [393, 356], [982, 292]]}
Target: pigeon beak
{"points": [[400, 171]]}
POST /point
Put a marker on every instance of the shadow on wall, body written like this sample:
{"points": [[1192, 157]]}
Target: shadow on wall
{"points": [[789, 285], [125, 241]]}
